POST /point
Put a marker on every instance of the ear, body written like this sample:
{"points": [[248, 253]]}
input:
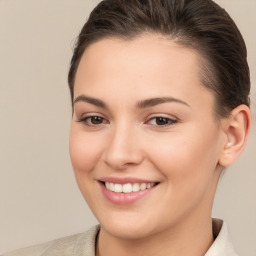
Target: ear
{"points": [[237, 127]]}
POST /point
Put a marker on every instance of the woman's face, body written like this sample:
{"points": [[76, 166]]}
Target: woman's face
{"points": [[144, 126]]}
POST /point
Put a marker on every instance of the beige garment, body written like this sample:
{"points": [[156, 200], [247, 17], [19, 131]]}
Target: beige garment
{"points": [[84, 244]]}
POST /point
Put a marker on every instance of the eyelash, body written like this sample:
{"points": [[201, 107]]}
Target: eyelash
{"points": [[86, 121], [168, 121]]}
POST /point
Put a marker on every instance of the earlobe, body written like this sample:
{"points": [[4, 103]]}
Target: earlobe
{"points": [[237, 131]]}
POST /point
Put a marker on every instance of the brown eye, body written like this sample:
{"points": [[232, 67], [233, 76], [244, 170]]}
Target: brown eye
{"points": [[161, 121], [93, 120], [96, 120]]}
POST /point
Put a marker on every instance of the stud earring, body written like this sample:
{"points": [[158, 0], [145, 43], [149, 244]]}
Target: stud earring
{"points": [[228, 145]]}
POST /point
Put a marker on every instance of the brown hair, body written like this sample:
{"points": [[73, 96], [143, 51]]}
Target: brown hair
{"points": [[199, 24]]}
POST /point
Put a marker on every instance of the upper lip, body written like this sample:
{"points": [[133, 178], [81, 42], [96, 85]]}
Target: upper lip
{"points": [[125, 180]]}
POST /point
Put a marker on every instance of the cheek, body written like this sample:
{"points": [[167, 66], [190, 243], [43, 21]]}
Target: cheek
{"points": [[186, 160], [84, 152], [187, 166]]}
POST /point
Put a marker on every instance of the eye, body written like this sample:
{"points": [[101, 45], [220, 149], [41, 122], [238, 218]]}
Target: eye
{"points": [[161, 121], [93, 120]]}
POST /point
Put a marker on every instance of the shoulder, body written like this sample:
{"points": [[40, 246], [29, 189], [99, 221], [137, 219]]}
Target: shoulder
{"points": [[67, 246]]}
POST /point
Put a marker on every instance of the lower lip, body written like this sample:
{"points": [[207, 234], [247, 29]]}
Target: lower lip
{"points": [[124, 198]]}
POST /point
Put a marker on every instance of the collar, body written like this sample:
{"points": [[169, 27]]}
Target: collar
{"points": [[222, 246]]}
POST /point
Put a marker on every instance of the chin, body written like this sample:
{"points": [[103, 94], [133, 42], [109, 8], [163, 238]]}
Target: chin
{"points": [[126, 232], [128, 225]]}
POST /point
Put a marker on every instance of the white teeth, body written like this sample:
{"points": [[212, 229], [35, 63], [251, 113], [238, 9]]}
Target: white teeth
{"points": [[143, 186], [135, 187], [128, 187], [107, 184], [112, 186], [118, 188]]}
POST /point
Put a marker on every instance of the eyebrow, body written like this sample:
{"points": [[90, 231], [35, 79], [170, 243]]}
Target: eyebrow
{"points": [[93, 101], [155, 101], [141, 104]]}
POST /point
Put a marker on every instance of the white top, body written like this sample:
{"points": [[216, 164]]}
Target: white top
{"points": [[84, 244]]}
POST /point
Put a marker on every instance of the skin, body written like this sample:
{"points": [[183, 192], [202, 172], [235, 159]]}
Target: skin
{"points": [[184, 155]]}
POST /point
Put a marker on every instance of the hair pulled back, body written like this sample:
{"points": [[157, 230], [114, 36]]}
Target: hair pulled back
{"points": [[199, 24]]}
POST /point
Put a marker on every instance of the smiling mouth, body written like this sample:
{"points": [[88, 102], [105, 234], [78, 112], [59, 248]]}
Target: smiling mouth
{"points": [[129, 187]]}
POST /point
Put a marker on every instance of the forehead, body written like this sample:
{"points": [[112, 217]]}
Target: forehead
{"points": [[149, 65], [144, 51]]}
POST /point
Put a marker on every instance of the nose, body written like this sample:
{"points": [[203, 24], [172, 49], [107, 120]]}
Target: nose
{"points": [[123, 148]]}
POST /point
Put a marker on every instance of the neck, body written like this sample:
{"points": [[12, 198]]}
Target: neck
{"points": [[188, 238]]}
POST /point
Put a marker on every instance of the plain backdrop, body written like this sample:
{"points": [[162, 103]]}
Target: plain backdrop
{"points": [[39, 198]]}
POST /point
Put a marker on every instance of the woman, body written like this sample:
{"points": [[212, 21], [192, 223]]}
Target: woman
{"points": [[160, 103]]}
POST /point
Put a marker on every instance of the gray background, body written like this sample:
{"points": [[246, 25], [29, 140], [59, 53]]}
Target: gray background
{"points": [[39, 199]]}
